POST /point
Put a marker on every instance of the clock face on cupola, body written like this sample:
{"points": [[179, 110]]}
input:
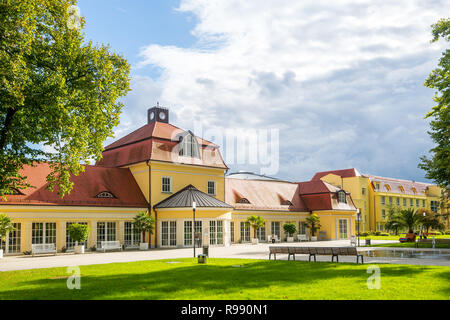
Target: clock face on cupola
{"points": [[159, 114]]}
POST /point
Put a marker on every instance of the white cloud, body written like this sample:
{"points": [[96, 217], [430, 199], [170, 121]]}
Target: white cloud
{"points": [[342, 80]]}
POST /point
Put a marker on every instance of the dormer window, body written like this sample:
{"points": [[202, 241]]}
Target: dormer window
{"points": [[188, 146], [105, 195], [244, 200], [342, 196]]}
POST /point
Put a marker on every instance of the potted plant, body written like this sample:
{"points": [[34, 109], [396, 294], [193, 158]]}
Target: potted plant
{"points": [[313, 223], [6, 226], [79, 233], [257, 223], [143, 222], [290, 229]]}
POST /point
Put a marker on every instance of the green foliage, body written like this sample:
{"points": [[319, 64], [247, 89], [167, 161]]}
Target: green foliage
{"points": [[447, 232], [313, 223], [6, 226], [256, 222], [408, 218], [438, 167], [432, 220], [57, 92], [290, 228], [79, 232], [143, 222]]}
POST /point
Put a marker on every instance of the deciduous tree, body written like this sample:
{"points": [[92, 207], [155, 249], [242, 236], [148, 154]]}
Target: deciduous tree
{"points": [[58, 93]]}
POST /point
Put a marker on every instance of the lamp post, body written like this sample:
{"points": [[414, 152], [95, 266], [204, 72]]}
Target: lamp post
{"points": [[358, 218], [193, 225]]}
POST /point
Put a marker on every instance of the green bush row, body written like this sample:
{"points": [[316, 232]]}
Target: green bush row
{"points": [[373, 233]]}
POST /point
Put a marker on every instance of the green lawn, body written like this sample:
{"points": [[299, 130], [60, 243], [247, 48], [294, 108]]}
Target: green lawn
{"points": [[220, 279]]}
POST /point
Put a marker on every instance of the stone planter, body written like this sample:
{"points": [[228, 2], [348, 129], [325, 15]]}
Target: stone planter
{"points": [[1, 253], [143, 246], [255, 241], [313, 238], [79, 249], [290, 239]]}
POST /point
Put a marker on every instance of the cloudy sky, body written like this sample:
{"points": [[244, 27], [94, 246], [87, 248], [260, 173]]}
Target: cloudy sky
{"points": [[342, 81]]}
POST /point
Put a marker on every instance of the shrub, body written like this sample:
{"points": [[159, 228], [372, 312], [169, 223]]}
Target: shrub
{"points": [[447, 231], [384, 234], [93, 249], [27, 253], [79, 232], [377, 233], [290, 229], [63, 249], [364, 234]]}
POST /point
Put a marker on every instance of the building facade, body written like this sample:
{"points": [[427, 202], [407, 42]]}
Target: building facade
{"points": [[374, 195], [162, 169]]}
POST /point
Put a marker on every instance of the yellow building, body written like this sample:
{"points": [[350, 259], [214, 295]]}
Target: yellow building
{"points": [[163, 169], [373, 195]]}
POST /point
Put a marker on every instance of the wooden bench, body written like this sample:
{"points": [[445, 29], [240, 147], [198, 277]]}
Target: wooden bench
{"points": [[314, 251], [43, 249], [110, 245]]}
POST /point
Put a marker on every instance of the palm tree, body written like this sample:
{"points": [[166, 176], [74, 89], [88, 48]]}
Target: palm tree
{"points": [[6, 226], [257, 223], [408, 219], [313, 223], [143, 222]]}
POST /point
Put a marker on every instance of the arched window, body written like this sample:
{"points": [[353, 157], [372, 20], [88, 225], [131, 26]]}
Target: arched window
{"points": [[105, 195], [188, 146], [244, 200], [342, 196]]}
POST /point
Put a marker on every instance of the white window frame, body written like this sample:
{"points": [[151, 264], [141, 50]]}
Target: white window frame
{"points": [[214, 186], [45, 231], [129, 231], [108, 231], [165, 184], [340, 230], [342, 197], [13, 241], [171, 236]]}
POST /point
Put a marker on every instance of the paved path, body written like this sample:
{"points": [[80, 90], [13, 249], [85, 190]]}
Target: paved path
{"points": [[244, 251]]}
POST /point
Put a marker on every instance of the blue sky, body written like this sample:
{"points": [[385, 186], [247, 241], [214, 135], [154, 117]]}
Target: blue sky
{"points": [[341, 81]]}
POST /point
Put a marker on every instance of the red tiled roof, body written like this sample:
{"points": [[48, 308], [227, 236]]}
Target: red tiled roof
{"points": [[157, 141], [155, 129], [345, 173], [87, 186], [263, 195], [320, 195]]}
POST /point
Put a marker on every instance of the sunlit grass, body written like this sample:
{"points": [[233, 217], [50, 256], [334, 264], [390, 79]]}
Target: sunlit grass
{"points": [[229, 279]]}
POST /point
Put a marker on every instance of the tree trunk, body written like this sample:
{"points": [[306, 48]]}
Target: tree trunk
{"points": [[6, 127]]}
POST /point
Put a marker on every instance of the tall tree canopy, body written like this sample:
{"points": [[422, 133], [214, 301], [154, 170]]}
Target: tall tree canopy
{"points": [[58, 93], [438, 167]]}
